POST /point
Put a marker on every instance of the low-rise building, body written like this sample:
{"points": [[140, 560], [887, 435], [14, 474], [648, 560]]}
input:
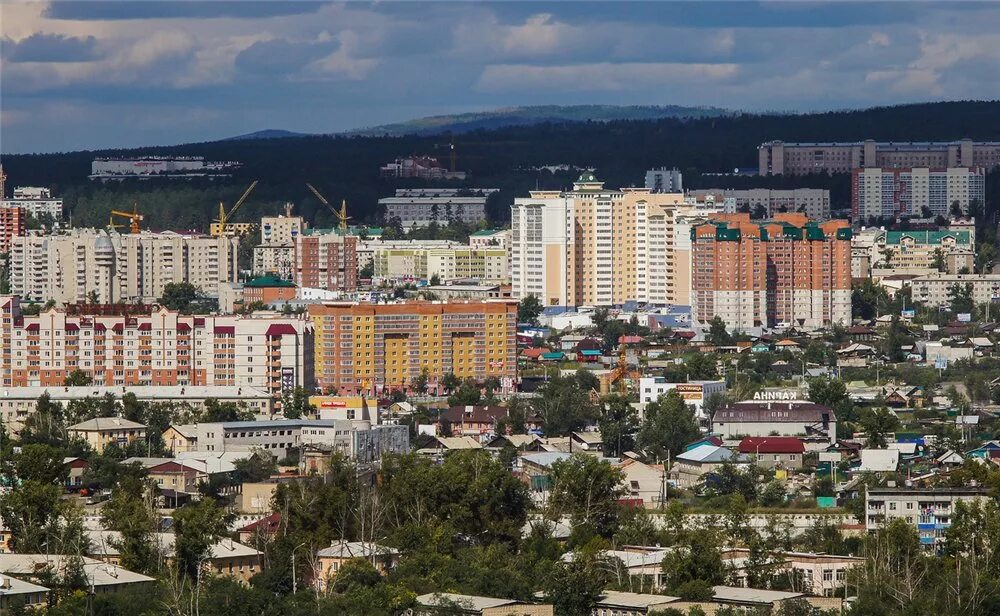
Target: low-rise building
{"points": [[929, 510], [103, 431], [100, 577], [330, 560], [434, 604], [618, 603], [691, 465], [774, 451], [819, 574], [695, 393], [15, 592], [226, 557], [267, 289], [932, 290], [781, 418]]}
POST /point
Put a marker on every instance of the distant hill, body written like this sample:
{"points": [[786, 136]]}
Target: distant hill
{"points": [[528, 116], [267, 133]]}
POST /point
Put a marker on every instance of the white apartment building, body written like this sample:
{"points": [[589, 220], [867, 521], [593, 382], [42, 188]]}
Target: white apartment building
{"points": [[814, 202], [930, 510], [36, 201], [419, 207], [542, 232], [112, 267], [490, 238], [894, 192], [932, 289], [367, 248], [281, 230]]}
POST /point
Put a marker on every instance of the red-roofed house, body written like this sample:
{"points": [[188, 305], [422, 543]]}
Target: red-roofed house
{"points": [[266, 527], [772, 451], [534, 353]]}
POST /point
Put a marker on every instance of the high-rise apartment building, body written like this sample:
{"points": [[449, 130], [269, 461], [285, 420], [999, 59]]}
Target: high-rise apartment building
{"points": [[784, 272], [918, 192], [380, 347], [813, 202], [12, 224], [276, 252], [326, 260], [127, 345], [36, 202], [594, 245], [778, 157], [665, 180], [419, 207], [90, 264]]}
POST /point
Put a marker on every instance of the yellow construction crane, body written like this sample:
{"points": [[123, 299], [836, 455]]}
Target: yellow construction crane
{"points": [[134, 218], [219, 228], [341, 214]]}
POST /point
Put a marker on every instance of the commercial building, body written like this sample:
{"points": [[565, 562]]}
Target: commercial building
{"points": [[932, 290], [922, 192], [326, 259], [594, 245], [665, 180], [381, 347], [419, 207], [813, 202], [694, 393], [36, 202], [125, 346], [88, 265], [786, 272], [358, 440], [773, 418], [489, 265], [778, 157], [930, 510]]}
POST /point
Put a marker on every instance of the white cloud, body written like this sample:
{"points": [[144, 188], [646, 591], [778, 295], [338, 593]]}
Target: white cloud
{"points": [[602, 76]]}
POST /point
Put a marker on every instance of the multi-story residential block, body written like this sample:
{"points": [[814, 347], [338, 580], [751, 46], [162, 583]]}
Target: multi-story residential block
{"points": [[35, 201], [281, 230], [813, 202], [380, 347], [277, 260], [12, 224], [778, 157], [932, 290], [920, 252], [267, 289], [665, 180], [594, 245], [484, 264], [419, 207], [930, 510], [922, 192], [125, 345], [367, 248], [490, 238], [785, 272], [90, 264], [326, 260]]}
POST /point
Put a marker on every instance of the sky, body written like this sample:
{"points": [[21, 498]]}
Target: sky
{"points": [[88, 74]]}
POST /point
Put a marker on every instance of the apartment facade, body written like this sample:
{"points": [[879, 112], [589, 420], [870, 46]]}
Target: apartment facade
{"points": [[813, 202], [918, 251], [36, 202], [326, 260], [124, 346], [88, 264], [594, 245], [419, 207], [930, 510], [12, 224], [931, 290], [484, 264], [363, 347], [778, 157], [789, 271], [879, 192]]}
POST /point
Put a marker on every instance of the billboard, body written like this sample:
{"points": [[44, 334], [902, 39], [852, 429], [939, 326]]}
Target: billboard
{"points": [[908, 313], [829, 456], [688, 391], [964, 317]]}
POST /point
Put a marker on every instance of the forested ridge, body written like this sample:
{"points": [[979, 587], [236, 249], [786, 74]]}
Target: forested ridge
{"points": [[348, 167]]}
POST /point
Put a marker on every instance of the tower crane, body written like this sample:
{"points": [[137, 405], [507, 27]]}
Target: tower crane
{"points": [[341, 214], [134, 218], [224, 216]]}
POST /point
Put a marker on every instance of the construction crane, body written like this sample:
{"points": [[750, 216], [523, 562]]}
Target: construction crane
{"points": [[622, 373], [341, 214], [224, 216], [452, 154], [134, 218]]}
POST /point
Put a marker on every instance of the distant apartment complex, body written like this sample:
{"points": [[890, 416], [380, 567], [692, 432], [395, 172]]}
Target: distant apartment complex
{"points": [[325, 259], [921, 192], [786, 271], [276, 252], [778, 157], [929, 510], [665, 180], [379, 347], [813, 202], [35, 202], [90, 264], [419, 207], [146, 167], [913, 251], [933, 290], [127, 345], [595, 245], [422, 167], [483, 264]]}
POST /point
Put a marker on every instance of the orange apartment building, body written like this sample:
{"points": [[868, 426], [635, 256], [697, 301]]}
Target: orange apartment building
{"points": [[364, 347], [12, 224], [785, 272], [324, 259], [129, 345]]}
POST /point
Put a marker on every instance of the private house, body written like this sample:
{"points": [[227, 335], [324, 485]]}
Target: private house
{"points": [[330, 560], [692, 464], [227, 557], [477, 421], [265, 528], [178, 438], [774, 451], [76, 468], [643, 481], [103, 431], [878, 461]]}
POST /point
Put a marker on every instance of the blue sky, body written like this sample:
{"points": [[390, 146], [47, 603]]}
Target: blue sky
{"points": [[79, 75]]}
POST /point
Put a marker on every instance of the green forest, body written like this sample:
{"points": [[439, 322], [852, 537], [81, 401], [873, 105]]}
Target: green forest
{"points": [[348, 167]]}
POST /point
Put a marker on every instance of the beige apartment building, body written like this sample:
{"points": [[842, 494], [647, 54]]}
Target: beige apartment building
{"points": [[778, 157], [594, 245], [813, 202], [484, 264], [276, 252], [89, 264]]}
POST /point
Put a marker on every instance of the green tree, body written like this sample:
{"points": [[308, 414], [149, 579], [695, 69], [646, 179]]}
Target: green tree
{"points": [[702, 367], [131, 512], [78, 378], [878, 424], [717, 333], [669, 425], [689, 568], [295, 404], [528, 310], [587, 490], [564, 406], [435, 280], [618, 424], [828, 392], [960, 298], [179, 296], [574, 587], [198, 526]]}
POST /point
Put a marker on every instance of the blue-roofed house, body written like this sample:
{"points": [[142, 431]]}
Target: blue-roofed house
{"points": [[692, 464]]}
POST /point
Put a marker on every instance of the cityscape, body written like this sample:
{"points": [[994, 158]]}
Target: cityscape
{"points": [[326, 308]]}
